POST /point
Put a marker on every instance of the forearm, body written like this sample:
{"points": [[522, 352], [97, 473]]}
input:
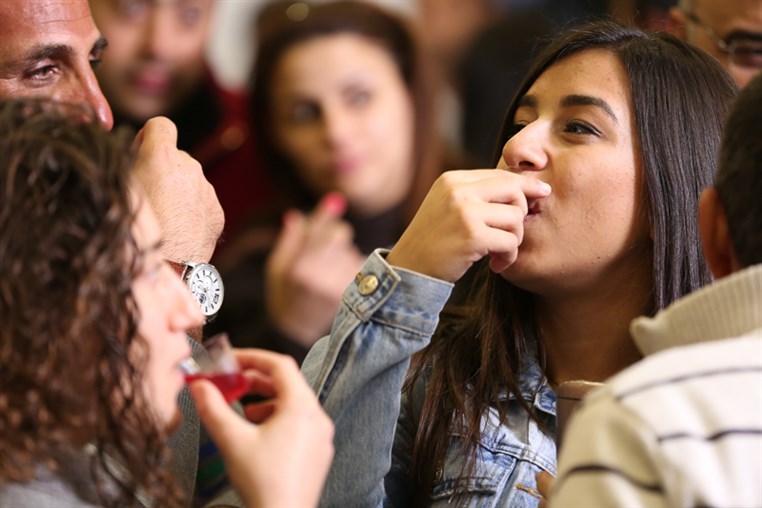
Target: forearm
{"points": [[358, 373]]}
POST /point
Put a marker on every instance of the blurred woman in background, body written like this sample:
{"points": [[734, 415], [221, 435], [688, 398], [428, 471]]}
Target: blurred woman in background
{"points": [[344, 122]]}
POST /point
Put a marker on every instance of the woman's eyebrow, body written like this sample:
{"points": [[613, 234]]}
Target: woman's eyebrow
{"points": [[587, 100], [527, 101]]}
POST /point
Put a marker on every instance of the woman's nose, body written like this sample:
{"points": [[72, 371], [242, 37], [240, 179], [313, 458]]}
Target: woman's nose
{"points": [[160, 41], [527, 149], [337, 125], [186, 311]]}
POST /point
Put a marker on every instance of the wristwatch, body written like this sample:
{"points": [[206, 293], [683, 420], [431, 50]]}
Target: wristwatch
{"points": [[205, 283]]}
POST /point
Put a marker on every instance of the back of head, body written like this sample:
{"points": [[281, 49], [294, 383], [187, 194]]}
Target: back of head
{"points": [[739, 178], [68, 366]]}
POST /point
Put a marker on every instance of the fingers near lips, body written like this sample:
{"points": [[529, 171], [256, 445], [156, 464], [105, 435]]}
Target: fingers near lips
{"points": [[513, 198]]}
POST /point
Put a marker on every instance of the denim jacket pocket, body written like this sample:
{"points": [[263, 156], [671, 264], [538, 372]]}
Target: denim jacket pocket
{"points": [[484, 481], [503, 473]]}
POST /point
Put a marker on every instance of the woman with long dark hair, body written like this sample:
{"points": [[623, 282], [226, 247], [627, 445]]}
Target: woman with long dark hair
{"points": [[588, 222]]}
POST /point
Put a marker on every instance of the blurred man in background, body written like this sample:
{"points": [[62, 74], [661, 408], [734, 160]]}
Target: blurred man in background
{"points": [[730, 30], [156, 66]]}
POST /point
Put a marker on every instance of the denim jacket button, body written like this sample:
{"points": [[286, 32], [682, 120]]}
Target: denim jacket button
{"points": [[368, 284]]}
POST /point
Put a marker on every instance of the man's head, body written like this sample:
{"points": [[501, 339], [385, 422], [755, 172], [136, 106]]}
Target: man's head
{"points": [[156, 50], [729, 30], [730, 213], [48, 48]]}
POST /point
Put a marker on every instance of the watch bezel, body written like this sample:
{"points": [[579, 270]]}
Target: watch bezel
{"points": [[194, 268]]}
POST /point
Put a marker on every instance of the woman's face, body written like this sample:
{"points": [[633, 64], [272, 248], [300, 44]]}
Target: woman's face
{"points": [[167, 311], [577, 135], [343, 115]]}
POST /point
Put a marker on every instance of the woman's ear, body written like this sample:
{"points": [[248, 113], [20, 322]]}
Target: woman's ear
{"points": [[715, 236], [677, 23]]}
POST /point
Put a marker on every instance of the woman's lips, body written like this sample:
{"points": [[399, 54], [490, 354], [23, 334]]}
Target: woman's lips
{"points": [[346, 165], [151, 83], [534, 208]]}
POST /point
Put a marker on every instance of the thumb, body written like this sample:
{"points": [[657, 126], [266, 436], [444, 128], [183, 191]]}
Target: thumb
{"points": [[138, 141], [289, 239], [218, 418], [158, 131]]}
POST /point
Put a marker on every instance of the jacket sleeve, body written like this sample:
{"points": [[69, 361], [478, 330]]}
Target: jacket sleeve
{"points": [[386, 315]]}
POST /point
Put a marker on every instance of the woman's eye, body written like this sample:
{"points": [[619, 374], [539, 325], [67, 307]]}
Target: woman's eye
{"points": [[190, 16], [577, 127], [304, 113], [514, 129], [358, 97], [153, 272], [133, 8]]}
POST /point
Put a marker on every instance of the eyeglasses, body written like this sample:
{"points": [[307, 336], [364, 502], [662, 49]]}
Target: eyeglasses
{"points": [[742, 50]]}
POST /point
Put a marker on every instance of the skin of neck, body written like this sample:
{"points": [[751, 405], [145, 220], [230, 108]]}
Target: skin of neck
{"points": [[586, 335]]}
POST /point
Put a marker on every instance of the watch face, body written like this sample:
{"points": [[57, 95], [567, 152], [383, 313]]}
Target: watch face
{"points": [[205, 283]]}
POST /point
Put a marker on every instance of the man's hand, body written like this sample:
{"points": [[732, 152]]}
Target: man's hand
{"points": [[282, 459], [185, 203]]}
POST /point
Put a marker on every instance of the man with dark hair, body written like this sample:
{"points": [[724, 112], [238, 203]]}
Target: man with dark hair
{"points": [[49, 49], [684, 426], [156, 66], [730, 31]]}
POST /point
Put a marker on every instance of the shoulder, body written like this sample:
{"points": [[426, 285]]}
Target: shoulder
{"points": [[691, 367], [53, 492], [700, 390]]}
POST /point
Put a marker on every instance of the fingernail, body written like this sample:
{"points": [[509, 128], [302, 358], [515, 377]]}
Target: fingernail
{"points": [[335, 203], [544, 187]]}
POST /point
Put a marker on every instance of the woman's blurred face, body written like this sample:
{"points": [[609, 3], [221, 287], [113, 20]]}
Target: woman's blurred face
{"points": [[576, 133], [167, 311], [343, 115]]}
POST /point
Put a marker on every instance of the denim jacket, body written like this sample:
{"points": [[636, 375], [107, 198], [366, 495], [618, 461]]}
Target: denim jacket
{"points": [[386, 315]]}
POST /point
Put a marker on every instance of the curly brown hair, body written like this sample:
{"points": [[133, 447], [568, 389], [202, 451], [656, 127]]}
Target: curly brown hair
{"points": [[71, 363]]}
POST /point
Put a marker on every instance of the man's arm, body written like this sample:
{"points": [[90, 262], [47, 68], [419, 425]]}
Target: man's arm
{"points": [[185, 203]]}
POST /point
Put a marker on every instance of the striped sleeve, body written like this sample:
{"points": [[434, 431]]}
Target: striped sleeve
{"points": [[608, 459], [681, 428]]}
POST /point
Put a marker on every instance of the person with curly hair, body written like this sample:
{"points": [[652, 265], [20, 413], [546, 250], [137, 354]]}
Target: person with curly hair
{"points": [[93, 325]]}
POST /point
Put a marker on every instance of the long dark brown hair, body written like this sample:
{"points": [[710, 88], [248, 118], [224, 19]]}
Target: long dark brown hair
{"points": [[71, 364], [279, 32], [679, 100]]}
